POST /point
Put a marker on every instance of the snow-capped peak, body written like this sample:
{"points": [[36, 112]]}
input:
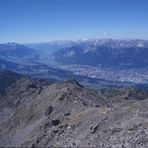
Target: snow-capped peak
{"points": [[140, 44]]}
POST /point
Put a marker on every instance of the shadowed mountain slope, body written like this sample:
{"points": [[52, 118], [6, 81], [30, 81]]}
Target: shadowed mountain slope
{"points": [[7, 78]]}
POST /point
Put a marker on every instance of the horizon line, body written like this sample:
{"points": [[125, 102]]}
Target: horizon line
{"points": [[74, 40]]}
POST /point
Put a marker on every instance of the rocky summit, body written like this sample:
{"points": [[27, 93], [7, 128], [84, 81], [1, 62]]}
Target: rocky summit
{"points": [[35, 113]]}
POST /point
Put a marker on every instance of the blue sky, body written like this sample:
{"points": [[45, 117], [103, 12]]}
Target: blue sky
{"points": [[45, 20]]}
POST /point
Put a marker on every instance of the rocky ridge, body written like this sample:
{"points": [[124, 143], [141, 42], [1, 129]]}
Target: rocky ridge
{"points": [[42, 114]]}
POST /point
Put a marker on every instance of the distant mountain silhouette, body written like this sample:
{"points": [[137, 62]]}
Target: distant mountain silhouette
{"points": [[14, 50]]}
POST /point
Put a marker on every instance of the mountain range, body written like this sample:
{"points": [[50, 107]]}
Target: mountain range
{"points": [[105, 53], [47, 99], [104, 60]]}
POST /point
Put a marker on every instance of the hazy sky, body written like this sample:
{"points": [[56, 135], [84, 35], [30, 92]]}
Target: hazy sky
{"points": [[45, 20]]}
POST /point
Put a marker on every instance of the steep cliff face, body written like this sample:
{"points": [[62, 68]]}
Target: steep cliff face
{"points": [[40, 114]]}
